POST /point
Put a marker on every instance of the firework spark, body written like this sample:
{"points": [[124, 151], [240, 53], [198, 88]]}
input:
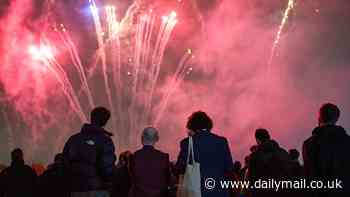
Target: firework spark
{"points": [[286, 14]]}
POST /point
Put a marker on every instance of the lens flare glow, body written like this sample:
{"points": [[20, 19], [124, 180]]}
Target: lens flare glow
{"points": [[42, 52]]}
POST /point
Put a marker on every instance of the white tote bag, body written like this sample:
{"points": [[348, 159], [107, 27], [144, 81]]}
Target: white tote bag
{"points": [[191, 183]]}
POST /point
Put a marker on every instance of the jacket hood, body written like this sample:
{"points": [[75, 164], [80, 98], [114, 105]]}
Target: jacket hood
{"points": [[330, 132], [95, 129]]}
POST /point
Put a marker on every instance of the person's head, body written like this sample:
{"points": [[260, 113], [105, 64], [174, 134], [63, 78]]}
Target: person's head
{"points": [[17, 155], [199, 121], [294, 154], [124, 158], [100, 116], [2, 167], [253, 148], [59, 159], [149, 136], [237, 166], [246, 160], [328, 114], [261, 136]]}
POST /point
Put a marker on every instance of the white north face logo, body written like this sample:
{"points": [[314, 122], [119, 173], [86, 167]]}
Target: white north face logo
{"points": [[90, 142]]}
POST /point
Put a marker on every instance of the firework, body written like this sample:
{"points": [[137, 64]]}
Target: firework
{"points": [[102, 54], [286, 14], [44, 52], [129, 59], [177, 78], [73, 51]]}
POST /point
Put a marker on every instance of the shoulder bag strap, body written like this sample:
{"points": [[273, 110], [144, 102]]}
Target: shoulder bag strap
{"points": [[190, 151]]}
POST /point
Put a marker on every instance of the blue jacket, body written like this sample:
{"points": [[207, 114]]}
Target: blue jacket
{"points": [[90, 158], [213, 154]]}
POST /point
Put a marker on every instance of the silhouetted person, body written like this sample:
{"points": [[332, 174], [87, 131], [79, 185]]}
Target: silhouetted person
{"points": [[294, 155], [149, 168], [269, 161], [237, 170], [326, 152], [2, 167], [121, 176], [246, 165], [237, 175], [210, 150], [245, 191], [18, 180], [297, 169], [173, 188], [54, 182], [253, 148], [90, 157]]}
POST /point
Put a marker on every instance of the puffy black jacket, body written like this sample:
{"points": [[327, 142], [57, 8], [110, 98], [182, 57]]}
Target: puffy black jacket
{"points": [[264, 162], [270, 161], [90, 155], [326, 157]]}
